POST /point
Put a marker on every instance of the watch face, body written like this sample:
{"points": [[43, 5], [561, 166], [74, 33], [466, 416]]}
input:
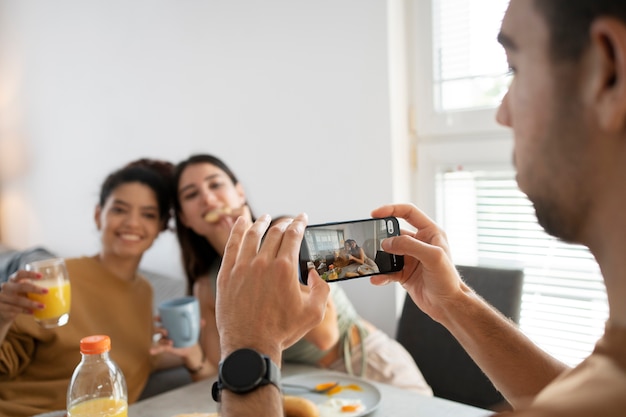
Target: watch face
{"points": [[243, 370]]}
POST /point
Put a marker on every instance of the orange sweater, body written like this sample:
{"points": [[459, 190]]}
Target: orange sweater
{"points": [[36, 364]]}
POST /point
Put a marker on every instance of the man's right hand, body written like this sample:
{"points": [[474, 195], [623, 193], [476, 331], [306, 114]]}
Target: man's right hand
{"points": [[429, 275]]}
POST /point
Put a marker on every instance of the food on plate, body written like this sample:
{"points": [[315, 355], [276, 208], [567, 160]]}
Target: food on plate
{"points": [[337, 389], [214, 215], [299, 407], [326, 386], [340, 407], [365, 269], [351, 274]]}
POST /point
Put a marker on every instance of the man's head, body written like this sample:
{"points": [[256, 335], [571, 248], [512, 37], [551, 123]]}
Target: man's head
{"points": [[567, 107], [569, 23]]}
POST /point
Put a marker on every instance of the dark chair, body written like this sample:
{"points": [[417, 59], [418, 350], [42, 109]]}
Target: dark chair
{"points": [[446, 366]]}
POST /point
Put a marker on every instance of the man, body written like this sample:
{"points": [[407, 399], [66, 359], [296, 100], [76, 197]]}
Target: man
{"points": [[567, 108]]}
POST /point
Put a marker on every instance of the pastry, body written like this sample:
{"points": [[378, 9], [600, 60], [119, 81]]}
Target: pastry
{"points": [[299, 407], [214, 215]]}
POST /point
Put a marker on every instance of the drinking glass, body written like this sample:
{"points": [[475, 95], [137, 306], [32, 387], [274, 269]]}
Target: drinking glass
{"points": [[56, 311]]}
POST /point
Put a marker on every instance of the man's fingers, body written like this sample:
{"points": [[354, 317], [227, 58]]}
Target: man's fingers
{"points": [[273, 238], [319, 289], [233, 245], [253, 236], [410, 246], [292, 238], [380, 280], [408, 212]]}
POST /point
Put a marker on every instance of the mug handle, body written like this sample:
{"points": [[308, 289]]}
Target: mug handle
{"points": [[187, 330]]}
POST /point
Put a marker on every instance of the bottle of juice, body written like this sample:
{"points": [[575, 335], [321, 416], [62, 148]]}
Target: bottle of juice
{"points": [[97, 387]]}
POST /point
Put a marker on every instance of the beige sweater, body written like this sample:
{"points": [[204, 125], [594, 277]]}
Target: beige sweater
{"points": [[36, 364]]}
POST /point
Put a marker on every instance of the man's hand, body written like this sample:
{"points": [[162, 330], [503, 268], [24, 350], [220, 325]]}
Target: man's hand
{"points": [[260, 302], [429, 275]]}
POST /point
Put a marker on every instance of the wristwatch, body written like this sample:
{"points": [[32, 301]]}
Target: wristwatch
{"points": [[245, 370]]}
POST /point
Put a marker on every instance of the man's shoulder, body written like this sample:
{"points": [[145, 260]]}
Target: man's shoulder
{"points": [[596, 387]]}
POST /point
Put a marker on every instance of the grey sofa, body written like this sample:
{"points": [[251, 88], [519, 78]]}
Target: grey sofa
{"points": [[164, 288]]}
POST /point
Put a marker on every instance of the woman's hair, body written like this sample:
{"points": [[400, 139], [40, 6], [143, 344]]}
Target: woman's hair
{"points": [[356, 250], [569, 23], [155, 174], [197, 253]]}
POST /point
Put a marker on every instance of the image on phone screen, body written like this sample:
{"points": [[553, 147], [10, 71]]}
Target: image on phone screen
{"points": [[346, 250]]}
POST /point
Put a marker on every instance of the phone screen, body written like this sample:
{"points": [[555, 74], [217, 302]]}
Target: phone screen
{"points": [[346, 250]]}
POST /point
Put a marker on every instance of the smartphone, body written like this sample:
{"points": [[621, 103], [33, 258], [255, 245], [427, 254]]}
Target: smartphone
{"points": [[351, 249]]}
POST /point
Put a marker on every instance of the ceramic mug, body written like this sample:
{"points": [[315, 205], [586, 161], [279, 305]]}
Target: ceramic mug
{"points": [[181, 319]]}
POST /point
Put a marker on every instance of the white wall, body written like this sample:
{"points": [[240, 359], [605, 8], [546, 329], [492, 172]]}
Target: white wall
{"points": [[294, 95]]}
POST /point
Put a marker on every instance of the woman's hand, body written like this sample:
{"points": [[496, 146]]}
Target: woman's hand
{"points": [[429, 275], [13, 296], [167, 356]]}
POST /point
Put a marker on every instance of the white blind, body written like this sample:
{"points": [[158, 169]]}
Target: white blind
{"points": [[490, 222], [470, 68]]}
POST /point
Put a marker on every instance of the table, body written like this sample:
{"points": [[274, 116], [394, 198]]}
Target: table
{"points": [[395, 402]]}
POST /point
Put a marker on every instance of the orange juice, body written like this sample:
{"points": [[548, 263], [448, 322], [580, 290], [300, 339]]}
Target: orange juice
{"points": [[99, 407], [56, 302]]}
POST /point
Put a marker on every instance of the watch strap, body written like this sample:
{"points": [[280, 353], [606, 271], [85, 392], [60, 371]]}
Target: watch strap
{"points": [[272, 376]]}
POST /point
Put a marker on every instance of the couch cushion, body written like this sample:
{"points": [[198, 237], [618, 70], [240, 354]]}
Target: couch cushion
{"points": [[11, 260], [165, 287]]}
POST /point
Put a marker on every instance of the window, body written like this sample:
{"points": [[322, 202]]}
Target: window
{"points": [[490, 222], [464, 178], [469, 67], [463, 72], [324, 240]]}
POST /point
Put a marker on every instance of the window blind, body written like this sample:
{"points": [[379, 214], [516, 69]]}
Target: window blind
{"points": [[564, 304], [470, 69]]}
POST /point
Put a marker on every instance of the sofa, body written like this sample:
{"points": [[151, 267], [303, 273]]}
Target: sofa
{"points": [[165, 288]]}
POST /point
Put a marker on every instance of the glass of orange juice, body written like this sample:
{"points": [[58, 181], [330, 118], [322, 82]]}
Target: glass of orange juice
{"points": [[56, 311]]}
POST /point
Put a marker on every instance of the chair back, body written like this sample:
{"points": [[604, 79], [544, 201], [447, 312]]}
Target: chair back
{"points": [[449, 370]]}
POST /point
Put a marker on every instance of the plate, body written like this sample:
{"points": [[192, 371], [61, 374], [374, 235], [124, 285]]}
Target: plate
{"points": [[369, 394]]}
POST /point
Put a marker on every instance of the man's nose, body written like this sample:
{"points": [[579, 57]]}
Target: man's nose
{"points": [[503, 115]]}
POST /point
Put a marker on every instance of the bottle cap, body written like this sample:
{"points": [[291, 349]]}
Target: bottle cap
{"points": [[96, 344]]}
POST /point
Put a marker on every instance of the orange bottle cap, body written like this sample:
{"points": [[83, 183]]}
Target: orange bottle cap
{"points": [[96, 344]]}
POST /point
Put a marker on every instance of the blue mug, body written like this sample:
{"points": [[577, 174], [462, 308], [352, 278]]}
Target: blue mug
{"points": [[181, 318]]}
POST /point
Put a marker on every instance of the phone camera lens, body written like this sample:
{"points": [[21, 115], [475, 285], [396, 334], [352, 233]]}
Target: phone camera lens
{"points": [[390, 226]]}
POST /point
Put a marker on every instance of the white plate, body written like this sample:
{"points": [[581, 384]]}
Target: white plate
{"points": [[369, 394]]}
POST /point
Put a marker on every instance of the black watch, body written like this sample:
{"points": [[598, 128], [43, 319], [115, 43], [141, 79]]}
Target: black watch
{"points": [[245, 370]]}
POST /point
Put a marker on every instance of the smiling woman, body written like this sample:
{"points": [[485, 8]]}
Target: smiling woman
{"points": [[108, 297]]}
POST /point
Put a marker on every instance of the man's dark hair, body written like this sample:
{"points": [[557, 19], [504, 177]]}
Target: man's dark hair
{"points": [[569, 23]]}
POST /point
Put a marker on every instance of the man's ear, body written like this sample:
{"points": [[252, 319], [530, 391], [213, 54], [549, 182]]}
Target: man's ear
{"points": [[608, 50], [96, 216]]}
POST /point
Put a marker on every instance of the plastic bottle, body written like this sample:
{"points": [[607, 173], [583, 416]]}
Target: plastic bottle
{"points": [[97, 387]]}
